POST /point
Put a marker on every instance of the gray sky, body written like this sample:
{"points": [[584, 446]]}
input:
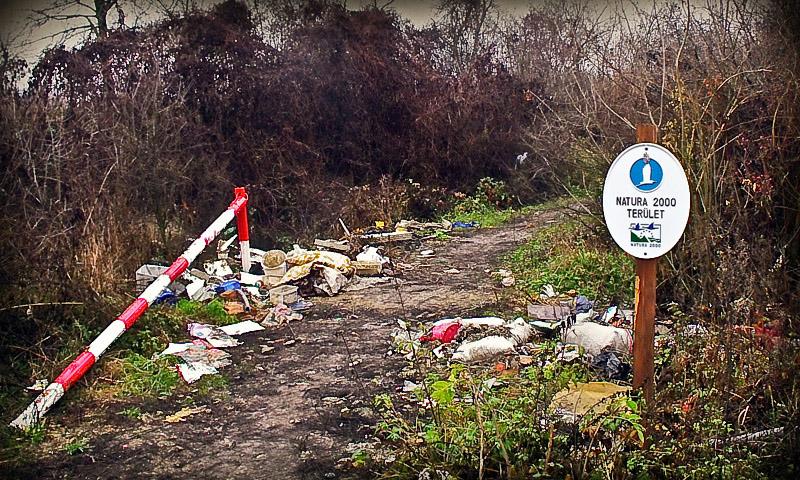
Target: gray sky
{"points": [[15, 14]]}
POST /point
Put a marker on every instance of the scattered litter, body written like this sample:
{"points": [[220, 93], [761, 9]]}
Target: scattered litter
{"points": [[611, 366], [367, 269], [506, 277], [427, 253], [267, 349], [413, 225], [387, 237], [195, 290], [342, 246], [200, 360], [409, 386], [482, 321], [167, 297], [146, 274], [174, 348], [493, 345], [250, 279], [283, 294], [549, 312], [212, 334], [579, 399], [300, 305], [370, 254], [185, 412], [233, 308], [228, 286], [289, 343], [240, 328], [595, 338], [331, 281], [692, 330], [302, 263], [482, 349], [567, 352], [583, 304], [443, 332], [547, 328], [755, 436], [223, 246], [274, 265], [191, 372], [219, 268], [452, 270], [609, 314], [281, 314], [472, 224], [38, 385]]}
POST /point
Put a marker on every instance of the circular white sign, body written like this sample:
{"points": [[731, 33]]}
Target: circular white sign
{"points": [[646, 200]]}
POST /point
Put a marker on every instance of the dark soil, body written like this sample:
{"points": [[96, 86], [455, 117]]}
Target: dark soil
{"points": [[291, 412]]}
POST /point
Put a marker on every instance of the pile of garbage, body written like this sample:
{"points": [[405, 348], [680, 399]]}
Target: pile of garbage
{"points": [[274, 290], [602, 338]]}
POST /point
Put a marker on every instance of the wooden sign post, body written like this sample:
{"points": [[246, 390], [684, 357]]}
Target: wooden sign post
{"points": [[646, 207], [645, 304]]}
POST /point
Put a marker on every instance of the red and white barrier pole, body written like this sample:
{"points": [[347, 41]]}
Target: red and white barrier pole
{"points": [[242, 229], [83, 362]]}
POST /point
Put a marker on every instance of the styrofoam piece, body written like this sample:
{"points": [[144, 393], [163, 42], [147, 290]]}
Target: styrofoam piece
{"points": [[249, 279], [246, 326], [219, 268]]}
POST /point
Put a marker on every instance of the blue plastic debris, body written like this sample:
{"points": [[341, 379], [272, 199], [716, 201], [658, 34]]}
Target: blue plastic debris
{"points": [[167, 296], [472, 224], [227, 286]]}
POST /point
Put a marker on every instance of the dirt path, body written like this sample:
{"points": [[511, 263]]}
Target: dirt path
{"points": [[290, 413]]}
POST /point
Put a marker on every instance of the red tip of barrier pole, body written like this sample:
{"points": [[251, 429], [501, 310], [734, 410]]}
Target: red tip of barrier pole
{"points": [[76, 370], [241, 215]]}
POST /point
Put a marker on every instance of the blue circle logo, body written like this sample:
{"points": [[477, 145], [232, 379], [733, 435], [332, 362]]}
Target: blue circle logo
{"points": [[646, 174]]}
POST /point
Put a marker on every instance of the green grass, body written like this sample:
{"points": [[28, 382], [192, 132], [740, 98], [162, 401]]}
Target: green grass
{"points": [[76, 446], [134, 413], [486, 216], [212, 384], [567, 256], [140, 376], [212, 312]]}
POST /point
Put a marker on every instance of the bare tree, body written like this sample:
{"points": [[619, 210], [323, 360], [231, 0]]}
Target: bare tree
{"points": [[78, 18], [466, 29]]}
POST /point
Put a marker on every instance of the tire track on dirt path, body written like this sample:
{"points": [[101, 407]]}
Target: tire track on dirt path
{"points": [[290, 413]]}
